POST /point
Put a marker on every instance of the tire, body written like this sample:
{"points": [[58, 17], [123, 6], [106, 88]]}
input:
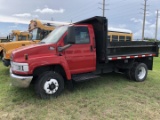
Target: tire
{"points": [[49, 84], [128, 75], [139, 72], [128, 72]]}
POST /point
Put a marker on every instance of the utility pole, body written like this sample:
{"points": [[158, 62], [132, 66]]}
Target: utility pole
{"points": [[156, 25], [144, 19], [103, 8]]}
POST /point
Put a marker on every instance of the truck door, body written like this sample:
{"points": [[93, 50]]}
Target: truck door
{"points": [[81, 56]]}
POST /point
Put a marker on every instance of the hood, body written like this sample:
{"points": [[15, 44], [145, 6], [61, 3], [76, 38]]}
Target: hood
{"points": [[13, 45], [33, 51]]}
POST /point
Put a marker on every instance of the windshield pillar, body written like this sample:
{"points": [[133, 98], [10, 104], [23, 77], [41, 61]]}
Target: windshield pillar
{"points": [[34, 33]]}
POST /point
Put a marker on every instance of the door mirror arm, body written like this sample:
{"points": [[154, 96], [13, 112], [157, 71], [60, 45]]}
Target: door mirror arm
{"points": [[60, 49]]}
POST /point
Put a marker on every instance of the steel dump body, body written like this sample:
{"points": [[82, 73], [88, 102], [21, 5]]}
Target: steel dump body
{"points": [[105, 49], [131, 48]]}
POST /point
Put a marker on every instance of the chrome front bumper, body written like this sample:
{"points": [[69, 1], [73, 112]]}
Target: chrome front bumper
{"points": [[20, 81]]}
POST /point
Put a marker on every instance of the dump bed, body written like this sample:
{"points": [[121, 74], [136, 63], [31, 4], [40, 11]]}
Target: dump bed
{"points": [[106, 50], [131, 48]]}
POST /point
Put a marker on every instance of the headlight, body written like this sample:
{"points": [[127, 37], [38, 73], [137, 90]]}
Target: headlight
{"points": [[22, 67]]}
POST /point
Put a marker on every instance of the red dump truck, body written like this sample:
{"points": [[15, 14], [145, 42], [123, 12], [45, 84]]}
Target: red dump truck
{"points": [[78, 52]]}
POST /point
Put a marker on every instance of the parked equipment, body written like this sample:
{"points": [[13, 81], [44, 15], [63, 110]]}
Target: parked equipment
{"points": [[117, 34], [16, 35]]}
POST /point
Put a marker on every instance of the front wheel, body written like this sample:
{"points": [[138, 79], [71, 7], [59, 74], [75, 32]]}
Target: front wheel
{"points": [[139, 72], [49, 84]]}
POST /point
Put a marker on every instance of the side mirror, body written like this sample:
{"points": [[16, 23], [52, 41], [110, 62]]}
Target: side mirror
{"points": [[71, 35]]}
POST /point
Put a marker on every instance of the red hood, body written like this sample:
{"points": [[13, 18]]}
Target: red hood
{"points": [[36, 50]]}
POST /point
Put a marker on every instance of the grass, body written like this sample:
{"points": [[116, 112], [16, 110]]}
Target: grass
{"points": [[110, 97]]}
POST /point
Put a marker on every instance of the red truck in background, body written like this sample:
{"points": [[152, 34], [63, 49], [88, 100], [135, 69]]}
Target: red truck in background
{"points": [[78, 52]]}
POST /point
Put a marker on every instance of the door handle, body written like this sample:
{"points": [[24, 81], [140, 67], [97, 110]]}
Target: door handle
{"points": [[91, 48]]}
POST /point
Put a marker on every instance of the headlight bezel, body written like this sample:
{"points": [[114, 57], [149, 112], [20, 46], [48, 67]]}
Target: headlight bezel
{"points": [[20, 67]]}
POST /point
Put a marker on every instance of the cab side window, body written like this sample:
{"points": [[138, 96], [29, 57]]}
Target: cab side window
{"points": [[65, 40], [82, 35]]}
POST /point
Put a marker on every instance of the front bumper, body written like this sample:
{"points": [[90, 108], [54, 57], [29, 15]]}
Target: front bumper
{"points": [[20, 81], [6, 62]]}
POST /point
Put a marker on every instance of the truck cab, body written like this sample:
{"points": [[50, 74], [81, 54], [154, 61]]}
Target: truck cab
{"points": [[78, 52], [38, 29]]}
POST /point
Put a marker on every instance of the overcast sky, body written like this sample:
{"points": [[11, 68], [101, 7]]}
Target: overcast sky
{"points": [[128, 14]]}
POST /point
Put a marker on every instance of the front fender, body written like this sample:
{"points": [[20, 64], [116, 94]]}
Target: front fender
{"points": [[50, 60]]}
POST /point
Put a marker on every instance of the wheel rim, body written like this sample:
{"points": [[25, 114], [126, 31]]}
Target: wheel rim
{"points": [[141, 72], [51, 86]]}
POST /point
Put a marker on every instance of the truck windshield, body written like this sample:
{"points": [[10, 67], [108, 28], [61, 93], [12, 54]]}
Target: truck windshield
{"points": [[34, 34], [55, 35], [21, 37]]}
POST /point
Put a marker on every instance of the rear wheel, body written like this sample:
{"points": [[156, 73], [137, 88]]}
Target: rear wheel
{"points": [[139, 72], [127, 73], [49, 84]]}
